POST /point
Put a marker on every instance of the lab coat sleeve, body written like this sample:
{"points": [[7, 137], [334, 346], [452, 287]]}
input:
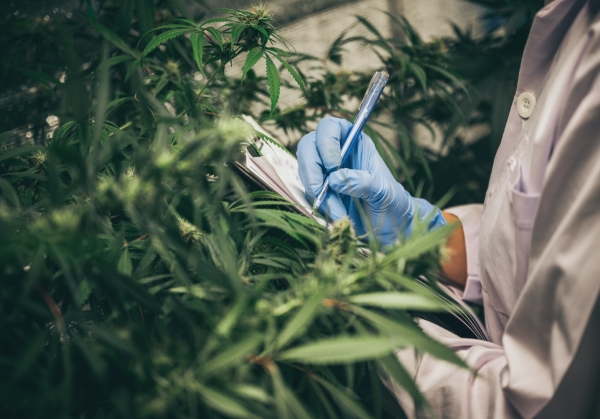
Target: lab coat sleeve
{"points": [[470, 218]]}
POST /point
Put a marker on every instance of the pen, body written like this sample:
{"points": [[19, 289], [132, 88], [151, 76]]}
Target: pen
{"points": [[378, 82]]}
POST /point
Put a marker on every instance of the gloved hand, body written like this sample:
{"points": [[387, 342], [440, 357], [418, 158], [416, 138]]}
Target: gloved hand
{"points": [[366, 185]]}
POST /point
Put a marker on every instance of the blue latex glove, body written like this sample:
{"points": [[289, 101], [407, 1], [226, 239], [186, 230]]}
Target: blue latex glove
{"points": [[367, 182]]}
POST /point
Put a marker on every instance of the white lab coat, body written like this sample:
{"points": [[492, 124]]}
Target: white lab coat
{"points": [[533, 248]]}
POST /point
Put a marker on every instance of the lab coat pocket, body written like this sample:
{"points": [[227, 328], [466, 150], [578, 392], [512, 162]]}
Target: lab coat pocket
{"points": [[524, 208], [523, 202]]}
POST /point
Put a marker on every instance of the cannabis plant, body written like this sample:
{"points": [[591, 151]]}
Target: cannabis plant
{"points": [[142, 277]]}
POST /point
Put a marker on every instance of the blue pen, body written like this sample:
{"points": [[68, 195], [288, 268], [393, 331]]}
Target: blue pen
{"points": [[378, 82]]}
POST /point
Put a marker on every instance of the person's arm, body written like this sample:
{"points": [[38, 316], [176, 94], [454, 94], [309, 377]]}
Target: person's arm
{"points": [[454, 263], [460, 265]]}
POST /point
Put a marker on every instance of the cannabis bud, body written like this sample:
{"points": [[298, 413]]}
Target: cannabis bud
{"points": [[342, 239]]}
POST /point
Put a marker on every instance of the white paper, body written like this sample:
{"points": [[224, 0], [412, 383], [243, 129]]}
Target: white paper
{"points": [[278, 169]]}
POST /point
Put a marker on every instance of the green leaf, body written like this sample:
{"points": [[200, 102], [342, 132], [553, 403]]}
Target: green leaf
{"points": [[162, 38], [102, 96], [343, 399], [418, 245], [226, 324], [114, 340], [450, 76], [114, 39], [170, 26], [272, 82], [411, 334], [9, 192], [124, 264], [337, 49], [397, 300], [17, 151], [117, 60], [236, 30], [233, 355], [340, 350], [221, 402], [251, 392], [145, 15], [397, 372], [83, 292], [297, 226], [197, 39], [278, 51], [419, 74], [217, 35], [124, 17], [194, 290], [287, 405], [151, 279], [117, 102], [262, 31], [252, 58], [370, 27], [217, 20], [302, 319], [330, 413], [281, 407], [183, 21], [292, 71]]}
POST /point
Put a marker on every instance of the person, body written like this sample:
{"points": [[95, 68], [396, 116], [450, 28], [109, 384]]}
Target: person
{"points": [[530, 254]]}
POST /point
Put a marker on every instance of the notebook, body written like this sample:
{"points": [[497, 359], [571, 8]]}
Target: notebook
{"points": [[270, 165]]}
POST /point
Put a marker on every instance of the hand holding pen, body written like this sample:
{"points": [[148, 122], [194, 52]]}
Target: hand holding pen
{"points": [[339, 157], [378, 82]]}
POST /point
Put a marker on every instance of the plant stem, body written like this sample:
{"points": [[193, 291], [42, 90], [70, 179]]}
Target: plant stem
{"points": [[210, 79]]}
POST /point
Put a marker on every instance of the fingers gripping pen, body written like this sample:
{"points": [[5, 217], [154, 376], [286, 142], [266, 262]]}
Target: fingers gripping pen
{"points": [[378, 82]]}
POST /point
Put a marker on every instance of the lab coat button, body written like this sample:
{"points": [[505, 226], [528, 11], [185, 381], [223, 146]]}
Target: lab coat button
{"points": [[525, 104]]}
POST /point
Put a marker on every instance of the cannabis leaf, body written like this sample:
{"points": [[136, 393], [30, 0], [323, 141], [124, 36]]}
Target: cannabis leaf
{"points": [[254, 55], [292, 71], [236, 30], [273, 82], [162, 38], [197, 39]]}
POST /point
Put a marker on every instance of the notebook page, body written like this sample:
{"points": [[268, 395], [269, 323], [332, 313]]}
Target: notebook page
{"points": [[286, 167], [267, 173], [260, 168], [281, 167]]}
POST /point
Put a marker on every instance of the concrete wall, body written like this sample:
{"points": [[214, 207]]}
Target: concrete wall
{"points": [[431, 18]]}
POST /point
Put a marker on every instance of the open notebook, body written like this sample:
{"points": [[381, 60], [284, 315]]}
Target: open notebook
{"points": [[273, 167], [267, 163]]}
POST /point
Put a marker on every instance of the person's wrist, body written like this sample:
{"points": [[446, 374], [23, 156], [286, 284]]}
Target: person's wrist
{"points": [[454, 264]]}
